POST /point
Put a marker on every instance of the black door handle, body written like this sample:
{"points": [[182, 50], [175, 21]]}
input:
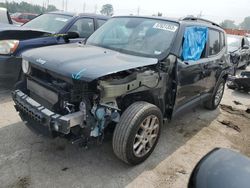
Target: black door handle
{"points": [[206, 66], [221, 62]]}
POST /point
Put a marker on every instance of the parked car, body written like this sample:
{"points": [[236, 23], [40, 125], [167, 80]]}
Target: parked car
{"points": [[23, 17], [4, 16], [45, 30], [221, 168], [240, 82], [238, 47], [132, 73]]}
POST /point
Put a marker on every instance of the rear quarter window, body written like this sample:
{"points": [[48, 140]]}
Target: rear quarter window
{"points": [[214, 42]]}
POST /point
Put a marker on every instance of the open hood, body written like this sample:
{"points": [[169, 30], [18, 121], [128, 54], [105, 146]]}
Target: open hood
{"points": [[19, 32], [84, 62]]}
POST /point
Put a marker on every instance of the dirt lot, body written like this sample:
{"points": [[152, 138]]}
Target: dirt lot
{"points": [[30, 161]]}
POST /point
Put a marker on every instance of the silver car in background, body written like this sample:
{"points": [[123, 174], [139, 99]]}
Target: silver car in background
{"points": [[4, 16]]}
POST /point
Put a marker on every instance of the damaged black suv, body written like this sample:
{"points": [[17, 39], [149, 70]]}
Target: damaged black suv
{"points": [[131, 74]]}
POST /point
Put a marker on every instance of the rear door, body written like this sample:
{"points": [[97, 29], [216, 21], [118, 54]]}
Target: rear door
{"points": [[216, 59]]}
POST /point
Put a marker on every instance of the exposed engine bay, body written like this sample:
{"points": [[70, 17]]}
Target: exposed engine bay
{"points": [[93, 106]]}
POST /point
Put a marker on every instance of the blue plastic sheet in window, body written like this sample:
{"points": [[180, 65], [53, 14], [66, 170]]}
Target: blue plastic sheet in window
{"points": [[195, 39]]}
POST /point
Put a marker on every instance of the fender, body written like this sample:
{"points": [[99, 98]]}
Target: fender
{"points": [[224, 75]]}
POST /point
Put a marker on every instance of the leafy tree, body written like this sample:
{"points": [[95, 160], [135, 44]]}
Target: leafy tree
{"points": [[51, 8], [26, 7], [228, 24], [246, 23], [107, 10]]}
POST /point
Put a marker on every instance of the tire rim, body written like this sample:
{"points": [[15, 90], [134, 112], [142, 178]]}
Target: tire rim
{"points": [[146, 136], [219, 94]]}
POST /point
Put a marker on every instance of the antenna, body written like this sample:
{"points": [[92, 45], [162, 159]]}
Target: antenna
{"points": [[66, 6]]}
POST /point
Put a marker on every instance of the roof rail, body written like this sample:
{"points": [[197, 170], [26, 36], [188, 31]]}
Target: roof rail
{"points": [[192, 18]]}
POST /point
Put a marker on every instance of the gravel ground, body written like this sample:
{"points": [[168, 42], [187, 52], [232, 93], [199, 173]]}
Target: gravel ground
{"points": [[30, 161]]}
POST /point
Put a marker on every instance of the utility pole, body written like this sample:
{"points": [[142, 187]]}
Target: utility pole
{"points": [[84, 7], [138, 11], [62, 5], [66, 5], [95, 11]]}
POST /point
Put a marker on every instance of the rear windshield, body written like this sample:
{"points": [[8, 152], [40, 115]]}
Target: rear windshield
{"points": [[51, 23]]}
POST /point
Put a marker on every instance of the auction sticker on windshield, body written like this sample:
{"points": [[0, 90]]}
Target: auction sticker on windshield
{"points": [[166, 27], [61, 19]]}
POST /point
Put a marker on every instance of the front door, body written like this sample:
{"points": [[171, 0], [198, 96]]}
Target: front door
{"points": [[191, 82]]}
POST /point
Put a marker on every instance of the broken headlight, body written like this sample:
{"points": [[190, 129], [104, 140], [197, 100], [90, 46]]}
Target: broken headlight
{"points": [[26, 66], [8, 47]]}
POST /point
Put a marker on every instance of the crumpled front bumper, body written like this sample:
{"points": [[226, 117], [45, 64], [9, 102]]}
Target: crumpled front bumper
{"points": [[42, 120]]}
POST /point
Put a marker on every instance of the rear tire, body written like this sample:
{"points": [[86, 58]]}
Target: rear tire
{"points": [[137, 133], [215, 100]]}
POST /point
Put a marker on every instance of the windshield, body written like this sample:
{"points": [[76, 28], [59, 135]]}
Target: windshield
{"points": [[234, 42], [138, 36], [51, 23]]}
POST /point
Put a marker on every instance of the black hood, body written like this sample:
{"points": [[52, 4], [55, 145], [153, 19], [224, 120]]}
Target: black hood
{"points": [[19, 32], [84, 62]]}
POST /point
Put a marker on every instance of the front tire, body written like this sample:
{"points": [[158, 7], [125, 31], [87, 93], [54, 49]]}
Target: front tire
{"points": [[137, 133], [215, 100]]}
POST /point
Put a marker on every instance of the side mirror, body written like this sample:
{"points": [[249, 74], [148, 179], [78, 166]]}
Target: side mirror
{"points": [[245, 47], [70, 35]]}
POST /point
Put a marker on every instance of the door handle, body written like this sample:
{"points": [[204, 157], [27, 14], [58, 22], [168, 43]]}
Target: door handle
{"points": [[206, 66], [221, 62]]}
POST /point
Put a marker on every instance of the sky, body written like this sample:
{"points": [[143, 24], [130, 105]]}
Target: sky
{"points": [[216, 10]]}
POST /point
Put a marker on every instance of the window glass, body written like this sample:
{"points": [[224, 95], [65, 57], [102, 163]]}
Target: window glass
{"points": [[100, 22], [22, 16], [234, 41], [214, 42], [136, 36], [194, 43], [30, 17], [84, 27], [52, 23]]}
